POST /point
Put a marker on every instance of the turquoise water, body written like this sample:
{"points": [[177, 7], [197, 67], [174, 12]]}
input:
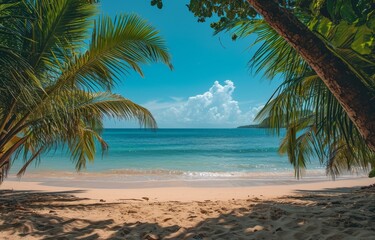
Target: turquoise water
{"points": [[190, 152]]}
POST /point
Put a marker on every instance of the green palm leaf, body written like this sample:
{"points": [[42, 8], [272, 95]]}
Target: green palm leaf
{"points": [[50, 74], [59, 29], [116, 48], [317, 127]]}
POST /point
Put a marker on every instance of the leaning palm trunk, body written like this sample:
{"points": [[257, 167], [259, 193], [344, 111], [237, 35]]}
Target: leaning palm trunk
{"points": [[355, 97], [317, 127], [55, 88]]}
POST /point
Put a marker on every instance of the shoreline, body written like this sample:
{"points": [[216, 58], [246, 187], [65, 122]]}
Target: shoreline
{"points": [[182, 191], [131, 178]]}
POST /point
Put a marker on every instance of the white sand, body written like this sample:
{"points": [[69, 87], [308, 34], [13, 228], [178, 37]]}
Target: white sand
{"points": [[319, 210]]}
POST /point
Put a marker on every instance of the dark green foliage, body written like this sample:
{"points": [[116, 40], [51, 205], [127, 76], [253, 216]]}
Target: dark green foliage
{"points": [[224, 11], [372, 173], [349, 10], [158, 3]]}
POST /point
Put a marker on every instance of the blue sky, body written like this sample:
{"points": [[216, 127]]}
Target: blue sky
{"points": [[210, 86]]}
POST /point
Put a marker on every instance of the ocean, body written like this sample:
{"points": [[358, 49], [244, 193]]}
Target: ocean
{"points": [[182, 154]]}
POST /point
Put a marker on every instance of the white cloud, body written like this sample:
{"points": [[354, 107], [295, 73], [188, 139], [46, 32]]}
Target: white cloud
{"points": [[213, 108]]}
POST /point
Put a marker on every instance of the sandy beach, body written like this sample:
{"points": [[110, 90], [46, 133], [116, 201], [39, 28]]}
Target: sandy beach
{"points": [[193, 120], [341, 209]]}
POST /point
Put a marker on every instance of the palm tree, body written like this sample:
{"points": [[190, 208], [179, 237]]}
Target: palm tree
{"points": [[317, 126], [58, 65], [348, 88], [282, 16]]}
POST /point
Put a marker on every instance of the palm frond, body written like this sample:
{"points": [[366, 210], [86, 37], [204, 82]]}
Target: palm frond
{"points": [[317, 127], [59, 29], [116, 47], [50, 75]]}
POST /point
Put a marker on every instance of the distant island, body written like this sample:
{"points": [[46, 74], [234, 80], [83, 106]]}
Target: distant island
{"points": [[252, 126], [264, 124]]}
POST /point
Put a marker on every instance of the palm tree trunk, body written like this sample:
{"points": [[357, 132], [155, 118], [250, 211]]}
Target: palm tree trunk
{"points": [[357, 100]]}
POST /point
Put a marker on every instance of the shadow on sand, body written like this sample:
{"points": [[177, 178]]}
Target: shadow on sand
{"points": [[342, 213]]}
